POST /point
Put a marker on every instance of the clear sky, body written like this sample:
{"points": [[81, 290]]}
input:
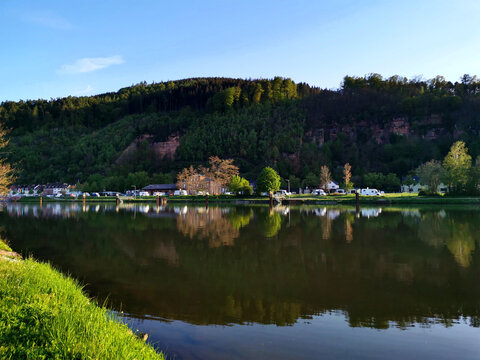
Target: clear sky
{"points": [[56, 48]]}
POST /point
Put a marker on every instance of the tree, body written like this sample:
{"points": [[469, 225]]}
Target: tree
{"points": [[295, 182], [431, 174], [347, 176], [391, 183], [374, 180], [408, 181], [311, 180], [268, 180], [221, 171], [473, 186], [6, 171], [457, 163], [325, 177], [240, 185], [186, 178]]}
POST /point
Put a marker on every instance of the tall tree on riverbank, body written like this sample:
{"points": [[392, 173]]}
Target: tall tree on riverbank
{"points": [[6, 171], [221, 170], [214, 178], [457, 163], [240, 185], [431, 174], [187, 179], [268, 180], [347, 177], [325, 177]]}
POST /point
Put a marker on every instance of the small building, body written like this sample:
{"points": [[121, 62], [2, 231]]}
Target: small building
{"points": [[56, 189], [165, 188], [416, 187], [332, 185]]}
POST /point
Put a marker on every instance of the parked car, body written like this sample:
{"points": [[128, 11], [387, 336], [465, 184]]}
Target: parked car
{"points": [[143, 193], [282, 193], [95, 194], [180, 192], [264, 194], [319, 192], [158, 193], [370, 192]]}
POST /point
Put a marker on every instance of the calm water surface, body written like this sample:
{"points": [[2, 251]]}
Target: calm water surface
{"points": [[250, 282]]}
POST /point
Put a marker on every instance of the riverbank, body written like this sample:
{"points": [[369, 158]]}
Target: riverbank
{"points": [[45, 315], [305, 199], [387, 199]]}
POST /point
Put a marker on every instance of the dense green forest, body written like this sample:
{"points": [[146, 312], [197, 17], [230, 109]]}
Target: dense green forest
{"points": [[378, 125]]}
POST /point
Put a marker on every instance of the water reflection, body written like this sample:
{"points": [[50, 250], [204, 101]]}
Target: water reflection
{"points": [[380, 267]]}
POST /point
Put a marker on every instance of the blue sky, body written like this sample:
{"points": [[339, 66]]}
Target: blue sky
{"points": [[58, 48]]}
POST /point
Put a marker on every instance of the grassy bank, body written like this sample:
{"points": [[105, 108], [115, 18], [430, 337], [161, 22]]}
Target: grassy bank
{"points": [[393, 198], [4, 246], [45, 315]]}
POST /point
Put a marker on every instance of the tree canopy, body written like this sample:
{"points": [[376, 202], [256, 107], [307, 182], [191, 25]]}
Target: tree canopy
{"points": [[268, 180]]}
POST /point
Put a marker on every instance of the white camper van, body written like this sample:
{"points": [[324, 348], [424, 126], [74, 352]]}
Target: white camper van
{"points": [[370, 192]]}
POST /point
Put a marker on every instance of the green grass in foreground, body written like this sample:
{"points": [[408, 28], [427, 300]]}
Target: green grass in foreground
{"points": [[45, 315], [4, 246]]}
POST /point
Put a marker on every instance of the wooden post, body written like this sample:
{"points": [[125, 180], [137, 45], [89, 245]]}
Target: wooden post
{"points": [[357, 202], [271, 199], [158, 201], [117, 199], [41, 200], [84, 200]]}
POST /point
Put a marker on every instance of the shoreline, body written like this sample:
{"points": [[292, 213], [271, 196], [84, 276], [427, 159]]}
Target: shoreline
{"points": [[55, 319], [388, 199]]}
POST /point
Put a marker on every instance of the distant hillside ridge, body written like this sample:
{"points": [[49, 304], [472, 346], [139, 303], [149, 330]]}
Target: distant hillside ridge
{"points": [[196, 93], [386, 125]]}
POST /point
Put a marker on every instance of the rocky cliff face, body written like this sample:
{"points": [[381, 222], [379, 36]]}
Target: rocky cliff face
{"points": [[429, 128], [163, 149], [167, 148]]}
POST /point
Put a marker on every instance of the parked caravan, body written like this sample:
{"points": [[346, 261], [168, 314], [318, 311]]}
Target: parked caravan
{"points": [[370, 192]]}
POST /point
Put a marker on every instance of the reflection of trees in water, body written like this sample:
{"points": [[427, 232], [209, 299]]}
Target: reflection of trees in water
{"points": [[437, 229], [240, 217], [461, 244], [269, 223], [326, 222], [349, 218], [214, 224], [257, 310], [433, 229]]}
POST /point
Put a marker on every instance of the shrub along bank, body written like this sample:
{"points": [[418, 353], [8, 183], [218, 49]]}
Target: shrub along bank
{"points": [[45, 315]]}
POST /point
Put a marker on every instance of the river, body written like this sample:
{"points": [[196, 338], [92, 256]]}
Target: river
{"points": [[239, 282]]}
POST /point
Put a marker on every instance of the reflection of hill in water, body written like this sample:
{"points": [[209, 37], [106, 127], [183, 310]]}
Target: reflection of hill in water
{"points": [[378, 267]]}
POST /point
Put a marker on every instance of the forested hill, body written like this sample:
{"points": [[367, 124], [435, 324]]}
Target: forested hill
{"points": [[378, 125]]}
